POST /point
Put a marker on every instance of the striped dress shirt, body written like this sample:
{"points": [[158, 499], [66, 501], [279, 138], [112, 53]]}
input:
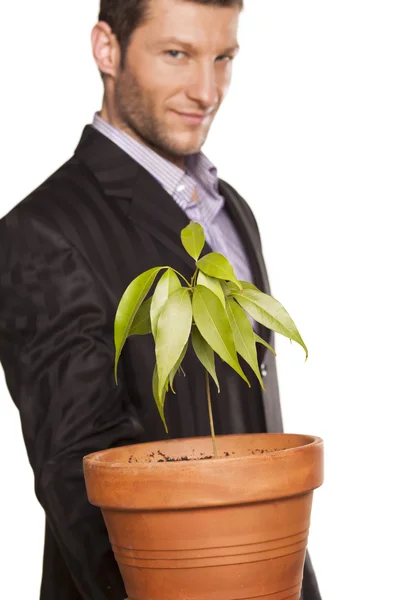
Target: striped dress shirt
{"points": [[200, 174]]}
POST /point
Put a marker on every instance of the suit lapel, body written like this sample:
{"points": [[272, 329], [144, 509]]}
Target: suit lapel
{"points": [[240, 215], [120, 176]]}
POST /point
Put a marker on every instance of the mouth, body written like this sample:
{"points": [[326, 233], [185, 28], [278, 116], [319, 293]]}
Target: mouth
{"points": [[192, 118]]}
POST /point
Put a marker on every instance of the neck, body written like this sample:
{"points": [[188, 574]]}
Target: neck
{"points": [[108, 115]]}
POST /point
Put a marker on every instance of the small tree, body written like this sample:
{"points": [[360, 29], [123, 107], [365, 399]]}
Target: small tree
{"points": [[212, 310]]}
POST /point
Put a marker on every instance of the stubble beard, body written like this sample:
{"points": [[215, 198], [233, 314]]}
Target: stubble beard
{"points": [[136, 116]]}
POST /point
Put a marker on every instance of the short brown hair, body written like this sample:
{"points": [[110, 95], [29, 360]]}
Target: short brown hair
{"points": [[124, 16]]}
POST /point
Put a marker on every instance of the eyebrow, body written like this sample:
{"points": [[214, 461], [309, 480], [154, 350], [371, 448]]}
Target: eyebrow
{"points": [[189, 46]]}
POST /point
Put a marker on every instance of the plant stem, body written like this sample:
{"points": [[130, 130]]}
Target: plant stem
{"points": [[211, 415], [180, 275], [193, 280]]}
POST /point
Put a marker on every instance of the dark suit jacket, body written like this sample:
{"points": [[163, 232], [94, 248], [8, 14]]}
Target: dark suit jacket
{"points": [[68, 252]]}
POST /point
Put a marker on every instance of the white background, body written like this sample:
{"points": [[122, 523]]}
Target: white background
{"points": [[310, 135]]}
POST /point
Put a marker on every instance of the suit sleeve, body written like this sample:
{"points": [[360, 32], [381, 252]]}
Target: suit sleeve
{"points": [[56, 348]]}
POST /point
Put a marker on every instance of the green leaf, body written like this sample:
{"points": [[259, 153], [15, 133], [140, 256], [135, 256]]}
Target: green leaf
{"points": [[141, 323], [226, 288], [193, 239], [212, 284], [204, 353], [167, 285], [129, 305], [270, 313], [176, 367], [216, 265], [159, 398], [246, 285], [173, 329], [264, 343], [243, 336], [213, 324]]}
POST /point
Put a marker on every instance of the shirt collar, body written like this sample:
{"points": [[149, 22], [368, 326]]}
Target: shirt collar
{"points": [[198, 166]]}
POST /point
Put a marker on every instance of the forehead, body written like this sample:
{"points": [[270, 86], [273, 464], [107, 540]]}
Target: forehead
{"points": [[193, 22]]}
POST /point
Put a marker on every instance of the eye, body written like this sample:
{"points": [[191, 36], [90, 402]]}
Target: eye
{"points": [[175, 53], [225, 58]]}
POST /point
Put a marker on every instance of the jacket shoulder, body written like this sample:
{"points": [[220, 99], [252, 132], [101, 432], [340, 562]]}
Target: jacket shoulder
{"points": [[57, 209], [62, 187]]}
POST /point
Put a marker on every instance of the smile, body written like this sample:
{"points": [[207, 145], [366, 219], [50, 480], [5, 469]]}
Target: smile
{"points": [[192, 118]]}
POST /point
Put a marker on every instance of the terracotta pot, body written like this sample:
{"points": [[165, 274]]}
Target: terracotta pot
{"points": [[231, 528]]}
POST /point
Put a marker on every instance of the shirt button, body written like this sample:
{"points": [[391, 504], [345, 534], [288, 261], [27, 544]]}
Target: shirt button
{"points": [[180, 188], [264, 371]]}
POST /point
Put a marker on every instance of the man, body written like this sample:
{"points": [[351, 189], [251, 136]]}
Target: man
{"points": [[70, 249]]}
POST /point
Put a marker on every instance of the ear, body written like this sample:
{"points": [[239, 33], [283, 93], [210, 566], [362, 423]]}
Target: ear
{"points": [[106, 50]]}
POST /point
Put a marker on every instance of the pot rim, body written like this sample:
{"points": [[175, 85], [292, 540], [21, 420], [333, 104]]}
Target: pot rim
{"points": [[205, 483], [94, 459]]}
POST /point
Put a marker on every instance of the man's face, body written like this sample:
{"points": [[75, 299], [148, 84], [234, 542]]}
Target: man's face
{"points": [[176, 73]]}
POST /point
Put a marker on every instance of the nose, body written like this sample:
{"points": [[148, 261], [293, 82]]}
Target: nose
{"points": [[203, 87]]}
